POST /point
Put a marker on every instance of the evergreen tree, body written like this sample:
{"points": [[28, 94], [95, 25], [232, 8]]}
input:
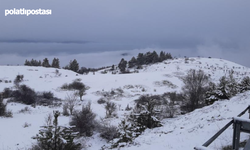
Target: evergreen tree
{"points": [[27, 63], [162, 56], [168, 56], [154, 57], [73, 65], [132, 62], [140, 59], [244, 84], [55, 63], [122, 65], [45, 62], [55, 137], [2, 106]]}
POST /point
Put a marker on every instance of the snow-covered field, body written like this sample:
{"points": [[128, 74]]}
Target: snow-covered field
{"points": [[179, 133]]}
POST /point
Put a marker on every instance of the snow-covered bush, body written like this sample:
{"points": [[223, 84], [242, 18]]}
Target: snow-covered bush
{"points": [[244, 85], [18, 79], [55, 137], [84, 121], [146, 113], [109, 132], [227, 88], [126, 135]]}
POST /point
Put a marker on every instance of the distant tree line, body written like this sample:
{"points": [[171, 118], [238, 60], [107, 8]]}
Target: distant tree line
{"points": [[143, 59], [45, 63]]}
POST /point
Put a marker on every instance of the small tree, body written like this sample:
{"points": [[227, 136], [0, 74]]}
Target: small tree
{"points": [[73, 65], [195, 85], [122, 65], [55, 63], [244, 84], [55, 137], [126, 135], [18, 79], [2, 107], [84, 121], [71, 102], [132, 62], [45, 62], [110, 109]]}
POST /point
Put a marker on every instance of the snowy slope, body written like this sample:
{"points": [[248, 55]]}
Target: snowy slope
{"points": [[182, 132]]}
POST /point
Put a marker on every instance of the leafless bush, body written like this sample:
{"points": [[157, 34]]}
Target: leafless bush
{"points": [[65, 109], [26, 125], [70, 102], [25, 110], [48, 120], [196, 83], [110, 109]]}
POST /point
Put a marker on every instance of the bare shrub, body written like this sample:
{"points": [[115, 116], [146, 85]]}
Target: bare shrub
{"points": [[8, 114], [25, 110], [71, 102], [26, 125], [48, 120], [65, 109], [110, 109]]}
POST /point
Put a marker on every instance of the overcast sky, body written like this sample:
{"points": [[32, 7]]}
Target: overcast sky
{"points": [[84, 29]]}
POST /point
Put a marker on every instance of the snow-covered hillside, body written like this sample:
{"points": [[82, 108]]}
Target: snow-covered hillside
{"points": [[182, 132]]}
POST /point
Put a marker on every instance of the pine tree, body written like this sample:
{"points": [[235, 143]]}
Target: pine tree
{"points": [[140, 59], [132, 62], [244, 84], [55, 63], [122, 65], [2, 106], [45, 62], [73, 65], [162, 56], [154, 57], [55, 137], [27, 63]]}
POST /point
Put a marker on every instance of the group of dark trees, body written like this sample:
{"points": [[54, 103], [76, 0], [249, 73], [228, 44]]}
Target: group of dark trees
{"points": [[226, 88], [143, 59], [55, 63]]}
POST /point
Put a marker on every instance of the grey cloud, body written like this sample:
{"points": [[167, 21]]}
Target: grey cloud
{"points": [[185, 27], [28, 41]]}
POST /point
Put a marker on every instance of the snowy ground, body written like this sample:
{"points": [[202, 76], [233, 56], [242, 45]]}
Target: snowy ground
{"points": [[181, 132]]}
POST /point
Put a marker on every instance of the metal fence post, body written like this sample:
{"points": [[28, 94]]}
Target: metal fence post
{"points": [[249, 111], [236, 135]]}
